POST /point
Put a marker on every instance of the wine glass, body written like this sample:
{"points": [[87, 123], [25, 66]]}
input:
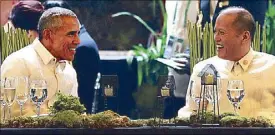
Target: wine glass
{"points": [[213, 93], [22, 91], [193, 95], [9, 92], [235, 93], [2, 101], [38, 93]]}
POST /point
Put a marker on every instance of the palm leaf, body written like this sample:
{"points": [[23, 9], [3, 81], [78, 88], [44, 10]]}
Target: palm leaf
{"points": [[136, 17]]}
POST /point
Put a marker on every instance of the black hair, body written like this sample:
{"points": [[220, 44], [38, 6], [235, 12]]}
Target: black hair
{"points": [[53, 3], [26, 14]]}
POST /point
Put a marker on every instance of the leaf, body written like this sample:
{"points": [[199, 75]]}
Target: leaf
{"points": [[136, 17], [139, 71], [146, 56]]}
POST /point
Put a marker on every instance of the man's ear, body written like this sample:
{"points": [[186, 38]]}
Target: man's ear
{"points": [[47, 34], [246, 36]]}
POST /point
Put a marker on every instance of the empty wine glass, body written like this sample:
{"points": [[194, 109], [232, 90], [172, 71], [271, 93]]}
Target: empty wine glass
{"points": [[22, 91], [213, 93], [38, 93], [9, 92], [194, 95], [235, 93]]}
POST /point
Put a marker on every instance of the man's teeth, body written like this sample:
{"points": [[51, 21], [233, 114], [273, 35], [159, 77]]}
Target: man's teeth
{"points": [[219, 46], [72, 49]]}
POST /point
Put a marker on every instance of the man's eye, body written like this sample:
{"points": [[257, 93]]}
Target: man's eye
{"points": [[70, 34]]}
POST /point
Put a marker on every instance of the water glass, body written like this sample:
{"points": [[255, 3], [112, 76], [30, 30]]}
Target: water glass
{"points": [[22, 91], [38, 93], [235, 93]]}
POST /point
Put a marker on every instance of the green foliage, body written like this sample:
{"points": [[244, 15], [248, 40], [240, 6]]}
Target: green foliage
{"points": [[110, 119], [270, 28], [72, 119], [67, 118], [238, 121], [64, 102], [260, 121], [149, 69], [227, 114], [13, 40], [234, 121], [200, 37]]}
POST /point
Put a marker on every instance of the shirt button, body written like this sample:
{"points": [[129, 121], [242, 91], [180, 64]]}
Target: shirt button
{"points": [[245, 62]]}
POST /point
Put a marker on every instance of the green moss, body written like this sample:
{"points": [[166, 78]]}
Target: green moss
{"points": [[259, 121], [64, 102], [234, 121], [67, 118]]}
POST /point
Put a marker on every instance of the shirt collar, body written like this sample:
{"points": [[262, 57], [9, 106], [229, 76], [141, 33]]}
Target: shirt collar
{"points": [[244, 62], [44, 54]]}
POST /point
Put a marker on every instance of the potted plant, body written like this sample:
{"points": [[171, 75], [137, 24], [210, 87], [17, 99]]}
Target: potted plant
{"points": [[148, 68]]}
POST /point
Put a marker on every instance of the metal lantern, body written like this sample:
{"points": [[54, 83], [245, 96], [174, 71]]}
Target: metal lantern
{"points": [[166, 87], [109, 86], [209, 92]]}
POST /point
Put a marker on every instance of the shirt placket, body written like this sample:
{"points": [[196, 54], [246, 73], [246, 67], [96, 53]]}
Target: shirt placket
{"points": [[237, 69], [57, 77]]}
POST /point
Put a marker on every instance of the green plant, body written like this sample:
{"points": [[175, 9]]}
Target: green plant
{"points": [[65, 102], [270, 28], [12, 40], [148, 68]]}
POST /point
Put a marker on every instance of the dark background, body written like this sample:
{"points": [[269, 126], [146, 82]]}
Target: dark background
{"points": [[119, 33]]}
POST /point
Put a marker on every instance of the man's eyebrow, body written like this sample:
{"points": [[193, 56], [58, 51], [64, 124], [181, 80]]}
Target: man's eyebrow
{"points": [[72, 32]]}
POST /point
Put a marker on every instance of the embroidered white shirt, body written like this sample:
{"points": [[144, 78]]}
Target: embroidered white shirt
{"points": [[256, 70], [36, 62]]}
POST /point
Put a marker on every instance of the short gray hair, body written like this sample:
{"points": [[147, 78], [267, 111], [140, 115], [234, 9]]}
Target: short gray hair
{"points": [[51, 18]]}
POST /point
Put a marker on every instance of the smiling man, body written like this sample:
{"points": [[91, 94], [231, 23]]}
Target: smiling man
{"points": [[236, 60], [47, 58]]}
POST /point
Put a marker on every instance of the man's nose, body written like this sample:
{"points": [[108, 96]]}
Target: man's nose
{"points": [[76, 40], [217, 37]]}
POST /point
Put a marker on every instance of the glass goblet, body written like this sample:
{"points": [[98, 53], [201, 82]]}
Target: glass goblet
{"points": [[194, 95], [235, 93], [22, 91], [9, 92], [2, 101], [38, 93], [213, 93]]}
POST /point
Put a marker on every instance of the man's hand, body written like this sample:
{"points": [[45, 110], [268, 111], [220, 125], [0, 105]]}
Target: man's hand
{"points": [[184, 62]]}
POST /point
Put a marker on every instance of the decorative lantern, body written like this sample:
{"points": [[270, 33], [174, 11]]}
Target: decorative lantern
{"points": [[166, 87], [109, 85], [210, 88]]}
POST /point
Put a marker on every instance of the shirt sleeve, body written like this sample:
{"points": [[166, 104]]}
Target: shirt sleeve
{"points": [[13, 67]]}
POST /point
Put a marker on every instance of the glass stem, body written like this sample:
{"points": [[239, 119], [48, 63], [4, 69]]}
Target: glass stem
{"points": [[235, 108], [9, 111], [21, 107], [38, 109], [4, 112]]}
